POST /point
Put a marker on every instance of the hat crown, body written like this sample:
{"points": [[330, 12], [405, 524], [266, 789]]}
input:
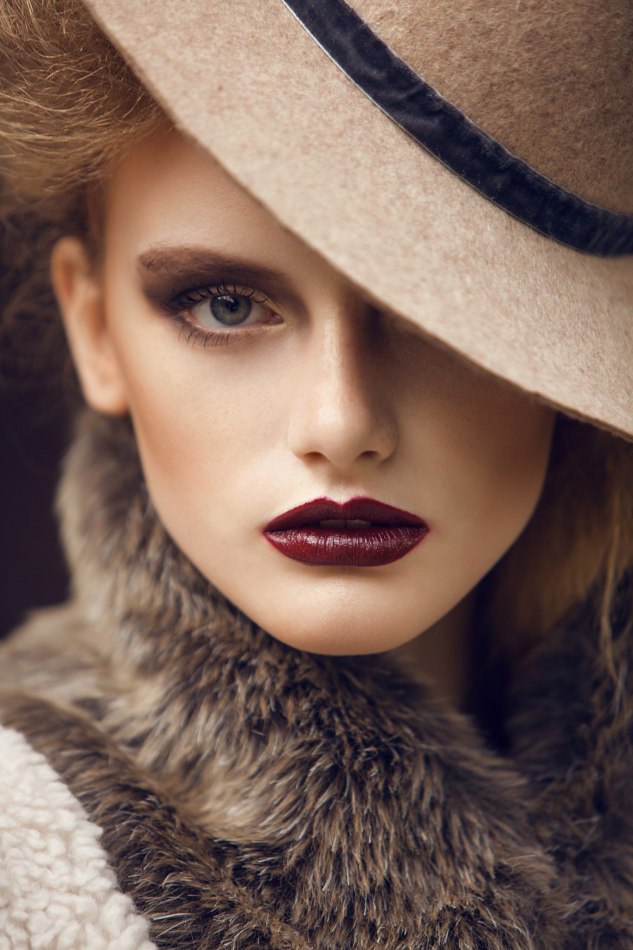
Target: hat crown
{"points": [[552, 80]]}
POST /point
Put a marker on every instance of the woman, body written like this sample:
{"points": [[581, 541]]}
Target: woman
{"points": [[349, 516]]}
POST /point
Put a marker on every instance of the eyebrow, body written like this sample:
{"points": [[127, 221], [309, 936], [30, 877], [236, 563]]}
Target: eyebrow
{"points": [[170, 265]]}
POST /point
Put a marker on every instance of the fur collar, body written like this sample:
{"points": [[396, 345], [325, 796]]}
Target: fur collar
{"points": [[255, 796]]}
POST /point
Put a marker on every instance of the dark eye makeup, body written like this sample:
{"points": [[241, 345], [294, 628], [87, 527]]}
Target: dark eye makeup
{"points": [[211, 297]]}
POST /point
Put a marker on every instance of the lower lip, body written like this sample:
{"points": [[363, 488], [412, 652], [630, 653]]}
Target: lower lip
{"points": [[360, 547]]}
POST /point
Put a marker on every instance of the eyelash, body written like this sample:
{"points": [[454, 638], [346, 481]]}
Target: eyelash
{"points": [[179, 305]]}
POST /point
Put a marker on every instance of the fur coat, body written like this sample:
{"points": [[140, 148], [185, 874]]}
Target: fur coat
{"points": [[251, 795]]}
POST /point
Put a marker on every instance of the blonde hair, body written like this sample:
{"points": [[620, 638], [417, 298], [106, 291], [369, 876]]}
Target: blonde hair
{"points": [[69, 105]]}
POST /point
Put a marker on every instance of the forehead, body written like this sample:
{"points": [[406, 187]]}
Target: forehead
{"points": [[167, 187]]}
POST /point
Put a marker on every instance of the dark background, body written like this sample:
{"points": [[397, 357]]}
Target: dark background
{"points": [[33, 435]]}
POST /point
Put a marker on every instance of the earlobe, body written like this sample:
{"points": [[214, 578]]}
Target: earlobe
{"points": [[79, 293]]}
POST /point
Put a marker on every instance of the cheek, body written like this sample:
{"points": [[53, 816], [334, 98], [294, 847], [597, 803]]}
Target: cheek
{"points": [[198, 432], [478, 451], [498, 461], [515, 448]]}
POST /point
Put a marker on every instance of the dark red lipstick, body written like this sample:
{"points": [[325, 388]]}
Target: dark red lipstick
{"points": [[362, 532]]}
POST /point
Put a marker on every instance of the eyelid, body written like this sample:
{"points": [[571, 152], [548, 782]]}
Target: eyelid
{"points": [[191, 296], [166, 278]]}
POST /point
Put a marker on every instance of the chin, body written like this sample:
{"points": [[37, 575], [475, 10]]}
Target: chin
{"points": [[342, 639]]}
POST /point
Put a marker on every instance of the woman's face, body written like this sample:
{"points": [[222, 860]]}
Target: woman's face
{"points": [[259, 379]]}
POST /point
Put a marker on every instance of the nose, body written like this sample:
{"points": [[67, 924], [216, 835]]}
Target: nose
{"points": [[343, 410]]}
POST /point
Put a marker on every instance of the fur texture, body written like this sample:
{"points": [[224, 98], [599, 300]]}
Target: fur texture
{"points": [[56, 889], [254, 796]]}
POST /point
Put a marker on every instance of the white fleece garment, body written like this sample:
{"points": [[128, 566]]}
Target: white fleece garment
{"points": [[57, 891]]}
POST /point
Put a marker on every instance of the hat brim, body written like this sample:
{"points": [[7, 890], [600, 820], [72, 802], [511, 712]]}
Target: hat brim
{"points": [[251, 86]]}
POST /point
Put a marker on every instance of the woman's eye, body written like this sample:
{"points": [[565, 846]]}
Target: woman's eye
{"points": [[223, 310], [221, 313]]}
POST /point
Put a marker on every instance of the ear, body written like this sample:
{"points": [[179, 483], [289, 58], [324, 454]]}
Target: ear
{"points": [[79, 291]]}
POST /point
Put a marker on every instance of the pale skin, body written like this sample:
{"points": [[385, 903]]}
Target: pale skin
{"points": [[321, 392]]}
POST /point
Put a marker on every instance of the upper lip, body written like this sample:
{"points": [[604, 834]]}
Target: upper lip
{"points": [[359, 508]]}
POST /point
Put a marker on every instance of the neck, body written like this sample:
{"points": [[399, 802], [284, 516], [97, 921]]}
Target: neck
{"points": [[441, 654]]}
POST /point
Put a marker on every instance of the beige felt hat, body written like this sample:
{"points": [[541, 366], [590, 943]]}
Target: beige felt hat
{"points": [[468, 163]]}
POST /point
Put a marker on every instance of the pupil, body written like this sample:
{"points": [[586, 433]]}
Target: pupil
{"points": [[230, 309]]}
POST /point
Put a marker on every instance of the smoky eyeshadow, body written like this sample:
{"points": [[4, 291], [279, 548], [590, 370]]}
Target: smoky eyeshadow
{"points": [[167, 272]]}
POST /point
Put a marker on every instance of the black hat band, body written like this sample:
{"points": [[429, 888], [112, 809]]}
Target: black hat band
{"points": [[457, 142]]}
